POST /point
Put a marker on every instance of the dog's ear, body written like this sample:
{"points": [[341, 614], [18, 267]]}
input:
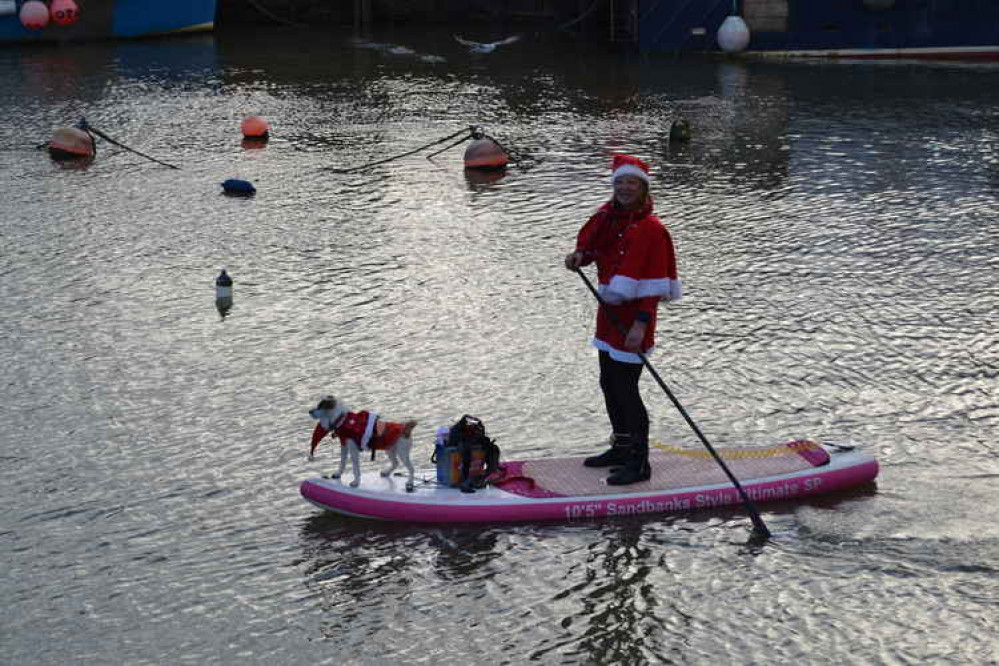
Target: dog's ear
{"points": [[327, 402]]}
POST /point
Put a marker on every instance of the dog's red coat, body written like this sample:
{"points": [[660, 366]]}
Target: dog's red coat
{"points": [[384, 436]]}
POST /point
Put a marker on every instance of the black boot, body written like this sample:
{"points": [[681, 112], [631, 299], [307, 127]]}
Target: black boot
{"points": [[635, 469], [615, 456]]}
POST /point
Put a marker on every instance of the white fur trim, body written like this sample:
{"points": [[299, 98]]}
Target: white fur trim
{"points": [[369, 429], [675, 291], [617, 354], [608, 295], [630, 170], [622, 288], [666, 289]]}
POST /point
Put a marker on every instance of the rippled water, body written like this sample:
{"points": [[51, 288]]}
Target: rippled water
{"points": [[835, 226]]}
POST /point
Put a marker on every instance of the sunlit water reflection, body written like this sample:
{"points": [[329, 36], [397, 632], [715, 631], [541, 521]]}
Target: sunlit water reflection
{"points": [[834, 226]]}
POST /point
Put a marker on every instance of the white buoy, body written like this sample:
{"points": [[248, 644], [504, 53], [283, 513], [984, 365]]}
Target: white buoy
{"points": [[733, 35]]}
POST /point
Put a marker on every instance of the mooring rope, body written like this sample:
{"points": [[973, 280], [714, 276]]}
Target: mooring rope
{"points": [[477, 133], [438, 152], [512, 153], [580, 17], [277, 19], [399, 156], [85, 126]]}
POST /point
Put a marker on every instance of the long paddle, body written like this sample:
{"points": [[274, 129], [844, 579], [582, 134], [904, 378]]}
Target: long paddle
{"points": [[761, 528]]}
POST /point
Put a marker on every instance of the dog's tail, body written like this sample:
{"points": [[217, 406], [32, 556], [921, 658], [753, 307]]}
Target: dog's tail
{"points": [[408, 428]]}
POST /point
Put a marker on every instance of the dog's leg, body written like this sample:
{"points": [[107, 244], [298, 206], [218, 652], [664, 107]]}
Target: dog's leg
{"points": [[404, 446], [355, 461], [393, 460], [343, 463]]}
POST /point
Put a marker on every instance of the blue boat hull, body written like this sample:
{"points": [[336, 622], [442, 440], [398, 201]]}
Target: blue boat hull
{"points": [[117, 19], [858, 28]]}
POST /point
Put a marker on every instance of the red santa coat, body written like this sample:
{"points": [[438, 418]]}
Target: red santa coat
{"points": [[636, 268], [365, 429]]}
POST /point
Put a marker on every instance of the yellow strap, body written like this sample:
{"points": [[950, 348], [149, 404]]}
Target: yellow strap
{"points": [[791, 448]]}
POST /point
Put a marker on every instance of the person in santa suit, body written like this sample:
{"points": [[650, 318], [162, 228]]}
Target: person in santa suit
{"points": [[636, 269]]}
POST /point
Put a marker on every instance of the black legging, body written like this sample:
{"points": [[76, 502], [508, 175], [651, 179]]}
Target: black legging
{"points": [[619, 382]]}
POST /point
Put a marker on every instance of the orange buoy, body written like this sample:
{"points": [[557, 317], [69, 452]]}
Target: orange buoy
{"points": [[485, 153], [64, 12], [477, 178], [34, 15], [254, 142], [71, 143], [254, 127]]}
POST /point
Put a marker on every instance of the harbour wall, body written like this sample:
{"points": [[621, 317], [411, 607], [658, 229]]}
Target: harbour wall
{"points": [[364, 12]]}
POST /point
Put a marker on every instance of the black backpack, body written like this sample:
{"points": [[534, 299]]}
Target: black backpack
{"points": [[468, 435]]}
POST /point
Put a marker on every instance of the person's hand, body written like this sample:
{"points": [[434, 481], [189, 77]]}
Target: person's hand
{"points": [[574, 260], [633, 341]]}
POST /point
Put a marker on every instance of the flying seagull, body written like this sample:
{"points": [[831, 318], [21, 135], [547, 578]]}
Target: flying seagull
{"points": [[479, 47]]}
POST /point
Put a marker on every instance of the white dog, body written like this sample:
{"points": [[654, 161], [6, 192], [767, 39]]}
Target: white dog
{"points": [[363, 431]]}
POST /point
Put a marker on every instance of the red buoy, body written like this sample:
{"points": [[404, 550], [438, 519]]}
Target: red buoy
{"points": [[254, 127], [485, 154], [64, 12], [34, 15], [71, 143]]}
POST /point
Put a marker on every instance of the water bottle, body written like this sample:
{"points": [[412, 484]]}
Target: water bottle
{"points": [[440, 457]]}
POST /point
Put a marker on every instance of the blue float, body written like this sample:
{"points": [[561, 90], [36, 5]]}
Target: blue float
{"points": [[236, 186]]}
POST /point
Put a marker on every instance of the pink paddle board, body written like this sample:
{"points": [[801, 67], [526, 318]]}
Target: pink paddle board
{"points": [[563, 489]]}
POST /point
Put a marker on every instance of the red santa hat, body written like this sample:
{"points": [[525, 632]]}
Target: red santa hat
{"points": [[626, 165]]}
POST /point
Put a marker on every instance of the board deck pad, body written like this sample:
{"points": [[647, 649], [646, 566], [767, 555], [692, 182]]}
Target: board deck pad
{"points": [[672, 468]]}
